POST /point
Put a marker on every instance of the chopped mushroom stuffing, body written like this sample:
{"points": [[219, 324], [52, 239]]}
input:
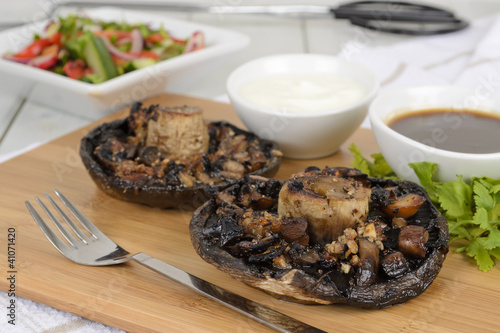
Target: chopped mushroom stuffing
{"points": [[176, 147], [295, 225]]}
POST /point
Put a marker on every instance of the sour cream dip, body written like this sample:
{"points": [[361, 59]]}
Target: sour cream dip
{"points": [[302, 92]]}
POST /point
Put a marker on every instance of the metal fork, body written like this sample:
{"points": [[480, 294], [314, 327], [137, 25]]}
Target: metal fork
{"points": [[96, 249]]}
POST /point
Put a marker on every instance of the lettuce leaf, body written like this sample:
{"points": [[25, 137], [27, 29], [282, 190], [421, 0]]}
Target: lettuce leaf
{"points": [[378, 168]]}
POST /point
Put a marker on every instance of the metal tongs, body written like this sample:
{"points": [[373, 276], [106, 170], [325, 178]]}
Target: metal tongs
{"points": [[387, 16], [400, 17]]}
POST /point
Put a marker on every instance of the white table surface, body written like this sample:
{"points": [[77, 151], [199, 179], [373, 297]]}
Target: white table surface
{"points": [[24, 124]]}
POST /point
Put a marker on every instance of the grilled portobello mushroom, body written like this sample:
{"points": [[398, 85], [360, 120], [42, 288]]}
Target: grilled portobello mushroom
{"points": [[169, 157], [324, 237]]}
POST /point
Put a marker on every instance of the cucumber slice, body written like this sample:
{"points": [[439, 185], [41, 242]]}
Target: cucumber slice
{"points": [[142, 62], [52, 28], [98, 58]]}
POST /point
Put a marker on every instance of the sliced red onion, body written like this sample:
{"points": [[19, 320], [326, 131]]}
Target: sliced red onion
{"points": [[18, 60], [44, 61], [123, 41], [49, 25], [137, 42], [114, 51], [195, 42]]}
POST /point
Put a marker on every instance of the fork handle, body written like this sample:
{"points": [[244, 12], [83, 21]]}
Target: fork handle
{"points": [[263, 314]]}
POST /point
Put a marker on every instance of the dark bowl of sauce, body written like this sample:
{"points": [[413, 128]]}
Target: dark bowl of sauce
{"points": [[451, 126], [462, 131]]}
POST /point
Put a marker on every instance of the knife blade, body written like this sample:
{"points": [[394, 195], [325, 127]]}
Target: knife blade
{"points": [[259, 312]]}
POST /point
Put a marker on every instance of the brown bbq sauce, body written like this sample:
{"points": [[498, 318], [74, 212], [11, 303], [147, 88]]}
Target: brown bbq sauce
{"points": [[464, 131]]}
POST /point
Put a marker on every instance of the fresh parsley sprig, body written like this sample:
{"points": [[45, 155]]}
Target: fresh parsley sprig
{"points": [[471, 208]]}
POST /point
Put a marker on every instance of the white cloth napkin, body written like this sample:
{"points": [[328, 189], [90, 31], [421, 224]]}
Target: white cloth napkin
{"points": [[470, 57], [32, 317], [467, 58]]}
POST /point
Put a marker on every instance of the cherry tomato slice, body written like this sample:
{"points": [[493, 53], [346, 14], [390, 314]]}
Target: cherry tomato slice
{"points": [[148, 54], [34, 49]]}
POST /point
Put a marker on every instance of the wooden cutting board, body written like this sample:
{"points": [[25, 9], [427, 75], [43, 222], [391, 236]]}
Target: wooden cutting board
{"points": [[135, 299]]}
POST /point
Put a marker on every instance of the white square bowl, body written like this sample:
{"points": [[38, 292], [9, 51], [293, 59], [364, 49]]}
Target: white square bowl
{"points": [[96, 100]]}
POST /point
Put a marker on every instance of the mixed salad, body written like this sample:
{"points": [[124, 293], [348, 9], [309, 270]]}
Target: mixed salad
{"points": [[95, 51]]}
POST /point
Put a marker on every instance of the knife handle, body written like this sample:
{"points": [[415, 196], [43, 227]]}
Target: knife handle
{"points": [[261, 313]]}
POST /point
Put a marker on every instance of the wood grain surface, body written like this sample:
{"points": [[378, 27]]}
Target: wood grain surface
{"points": [[135, 299]]}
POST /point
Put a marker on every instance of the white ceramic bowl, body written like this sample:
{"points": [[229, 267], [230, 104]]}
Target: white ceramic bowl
{"points": [[302, 135], [96, 100], [399, 150]]}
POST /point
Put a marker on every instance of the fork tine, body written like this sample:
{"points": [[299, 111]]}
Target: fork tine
{"points": [[57, 223], [52, 237], [68, 220], [89, 226]]}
